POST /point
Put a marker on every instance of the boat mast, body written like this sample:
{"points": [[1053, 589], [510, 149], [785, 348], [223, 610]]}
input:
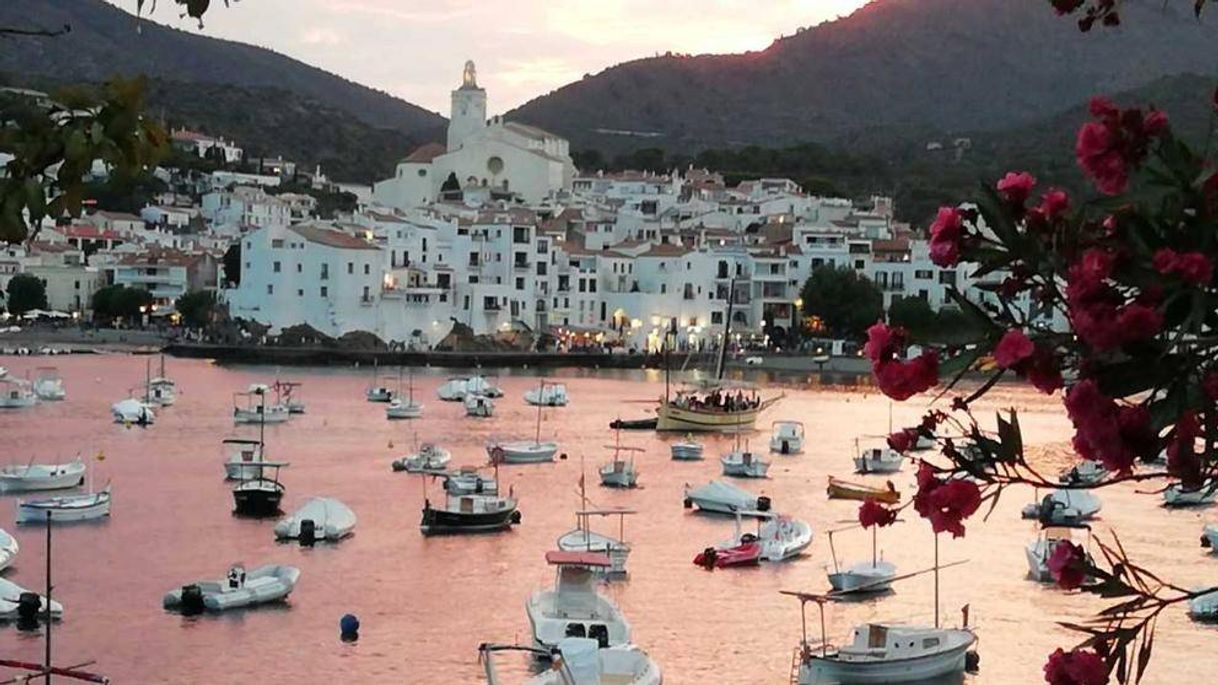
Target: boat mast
{"points": [[148, 381], [48, 601], [936, 580], [541, 391], [727, 330], [262, 423]]}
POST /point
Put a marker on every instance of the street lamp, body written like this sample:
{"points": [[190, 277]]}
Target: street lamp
{"points": [[798, 304]]}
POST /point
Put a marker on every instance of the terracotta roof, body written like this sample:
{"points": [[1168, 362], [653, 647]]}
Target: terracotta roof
{"points": [[897, 245], [666, 250], [88, 232], [331, 238], [425, 153], [159, 256], [190, 135]]}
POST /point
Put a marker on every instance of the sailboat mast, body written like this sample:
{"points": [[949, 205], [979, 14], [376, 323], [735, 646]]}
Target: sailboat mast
{"points": [[48, 600], [936, 580], [874, 559], [148, 381], [262, 423], [541, 391], [727, 330]]}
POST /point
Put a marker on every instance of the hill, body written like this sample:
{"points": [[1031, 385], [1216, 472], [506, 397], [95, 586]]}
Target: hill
{"points": [[896, 66], [104, 42]]}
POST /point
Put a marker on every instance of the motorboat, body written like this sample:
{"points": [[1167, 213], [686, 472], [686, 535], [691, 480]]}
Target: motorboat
{"points": [[581, 661], [67, 508], [468, 481], [455, 389], [245, 458], [408, 409], [878, 460], [888, 653], [787, 437], [255, 410], [573, 608], [239, 588], [478, 406], [286, 395], [131, 412], [1040, 550], [874, 575], [16, 393], [687, 449], [1176, 495], [320, 518], [744, 464], [777, 538], [620, 472], [377, 392], [429, 457], [721, 497], [11, 595], [840, 489], [8, 549], [48, 385], [1209, 536], [261, 495], [1064, 507], [1204, 607], [710, 410], [485, 513], [583, 539], [24, 478], [481, 386], [1086, 472], [547, 395]]}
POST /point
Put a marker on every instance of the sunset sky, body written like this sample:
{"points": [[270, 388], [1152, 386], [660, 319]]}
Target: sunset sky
{"points": [[523, 48]]}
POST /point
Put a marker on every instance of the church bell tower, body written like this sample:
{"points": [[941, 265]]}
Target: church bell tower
{"points": [[468, 114]]}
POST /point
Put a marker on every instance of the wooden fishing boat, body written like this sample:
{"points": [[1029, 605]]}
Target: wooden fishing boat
{"points": [[840, 489]]}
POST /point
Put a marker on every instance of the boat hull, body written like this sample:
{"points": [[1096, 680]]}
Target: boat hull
{"points": [[31, 512], [523, 453], [673, 418], [255, 417], [405, 411], [619, 478], [17, 483], [918, 669], [841, 490], [257, 502], [444, 522]]}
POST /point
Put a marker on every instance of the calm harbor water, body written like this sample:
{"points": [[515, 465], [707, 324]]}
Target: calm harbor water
{"points": [[426, 604]]}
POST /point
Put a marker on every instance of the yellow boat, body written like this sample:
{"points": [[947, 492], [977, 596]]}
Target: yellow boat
{"points": [[840, 489], [681, 415]]}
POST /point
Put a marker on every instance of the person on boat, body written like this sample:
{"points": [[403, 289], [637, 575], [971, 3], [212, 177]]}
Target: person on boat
{"points": [[236, 577]]}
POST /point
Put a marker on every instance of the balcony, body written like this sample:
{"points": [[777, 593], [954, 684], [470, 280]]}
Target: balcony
{"points": [[365, 301]]}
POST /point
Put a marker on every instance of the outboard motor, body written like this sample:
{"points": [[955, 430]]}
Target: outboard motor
{"points": [[308, 533], [516, 516], [192, 600], [29, 605], [972, 662], [763, 503], [1205, 541], [399, 465], [707, 558], [689, 503]]}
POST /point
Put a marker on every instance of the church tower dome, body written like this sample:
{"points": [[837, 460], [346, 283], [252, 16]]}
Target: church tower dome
{"points": [[468, 115]]}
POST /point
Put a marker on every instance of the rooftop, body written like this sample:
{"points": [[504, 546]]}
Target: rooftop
{"points": [[330, 237]]}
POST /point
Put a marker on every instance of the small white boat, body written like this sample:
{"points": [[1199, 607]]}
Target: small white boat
{"points": [[787, 437], [10, 600], [160, 391], [468, 481], [1204, 607], [18, 478], [133, 412], [522, 452], [777, 537], [583, 539], [481, 386], [255, 409], [478, 406], [452, 390], [264, 584], [1040, 550], [1086, 472], [1209, 536], [582, 661], [866, 576], [245, 458], [687, 449], [1064, 507], [574, 608], [1177, 496], [8, 549], [68, 508], [377, 392], [285, 393], [48, 385], [429, 457], [398, 409], [888, 653], [878, 460], [547, 395], [321, 518], [16, 393], [620, 472], [744, 464], [720, 497]]}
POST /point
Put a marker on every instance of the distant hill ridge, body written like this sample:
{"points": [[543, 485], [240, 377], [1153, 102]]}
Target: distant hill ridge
{"points": [[949, 65]]}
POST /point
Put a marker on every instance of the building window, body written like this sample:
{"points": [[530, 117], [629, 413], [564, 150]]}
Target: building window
{"points": [[325, 273], [350, 268], [541, 268], [270, 289], [947, 277], [277, 242], [859, 264], [325, 292], [366, 295], [367, 269], [924, 274], [300, 292], [583, 285], [275, 267], [520, 284], [716, 318], [299, 268]]}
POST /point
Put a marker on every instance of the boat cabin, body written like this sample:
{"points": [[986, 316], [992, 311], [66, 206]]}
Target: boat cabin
{"points": [[877, 642], [575, 594]]}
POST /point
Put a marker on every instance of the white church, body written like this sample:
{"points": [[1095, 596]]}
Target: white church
{"points": [[487, 157]]}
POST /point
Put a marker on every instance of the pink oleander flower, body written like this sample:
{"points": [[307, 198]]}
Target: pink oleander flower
{"points": [[946, 235]]}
